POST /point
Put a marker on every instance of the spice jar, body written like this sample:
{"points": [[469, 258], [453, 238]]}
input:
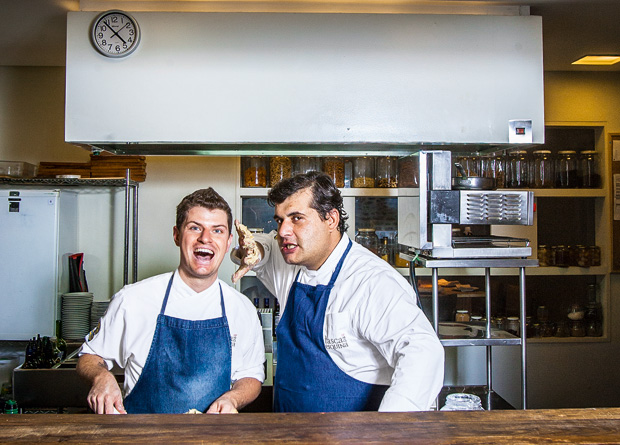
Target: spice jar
{"points": [[583, 256], [368, 238], [594, 253], [588, 170], [408, 172], [334, 168], [541, 171], [560, 255], [305, 164], [494, 167], [386, 172], [544, 252], [280, 167], [462, 316], [363, 172], [566, 169], [513, 325], [255, 171], [517, 169]]}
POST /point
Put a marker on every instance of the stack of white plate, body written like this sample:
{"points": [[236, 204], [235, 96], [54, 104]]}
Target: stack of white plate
{"points": [[97, 309], [75, 315]]}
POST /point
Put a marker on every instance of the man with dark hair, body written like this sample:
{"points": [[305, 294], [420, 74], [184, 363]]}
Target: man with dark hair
{"points": [[351, 336], [186, 340]]}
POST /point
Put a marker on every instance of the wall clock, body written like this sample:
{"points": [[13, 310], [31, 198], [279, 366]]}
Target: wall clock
{"points": [[115, 33]]}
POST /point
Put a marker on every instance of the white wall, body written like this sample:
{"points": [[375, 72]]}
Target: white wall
{"points": [[31, 129]]}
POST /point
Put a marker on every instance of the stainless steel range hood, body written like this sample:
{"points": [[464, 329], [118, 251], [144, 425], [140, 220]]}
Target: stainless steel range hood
{"points": [[240, 83]]}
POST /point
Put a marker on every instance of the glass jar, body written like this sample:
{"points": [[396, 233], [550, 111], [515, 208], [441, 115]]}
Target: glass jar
{"points": [[573, 255], [386, 172], [513, 325], [462, 402], [368, 238], [577, 329], [541, 171], [334, 168], [363, 172], [408, 172], [494, 167], [544, 252], [280, 167], [594, 252], [462, 316], [561, 256], [305, 164], [562, 330], [588, 171], [518, 169], [566, 169], [583, 256], [255, 171], [542, 313], [471, 164]]}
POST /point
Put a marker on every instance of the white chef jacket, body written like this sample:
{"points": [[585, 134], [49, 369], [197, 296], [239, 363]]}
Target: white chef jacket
{"points": [[373, 331], [126, 330]]}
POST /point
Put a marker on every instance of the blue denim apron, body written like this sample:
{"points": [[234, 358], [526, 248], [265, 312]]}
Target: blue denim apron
{"points": [[188, 366], [307, 379]]}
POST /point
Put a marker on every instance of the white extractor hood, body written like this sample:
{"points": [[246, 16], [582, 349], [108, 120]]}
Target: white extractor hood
{"points": [[204, 83]]}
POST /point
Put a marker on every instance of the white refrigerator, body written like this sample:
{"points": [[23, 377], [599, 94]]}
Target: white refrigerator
{"points": [[38, 230]]}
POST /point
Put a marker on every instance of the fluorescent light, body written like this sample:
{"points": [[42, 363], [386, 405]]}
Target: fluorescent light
{"points": [[597, 60]]}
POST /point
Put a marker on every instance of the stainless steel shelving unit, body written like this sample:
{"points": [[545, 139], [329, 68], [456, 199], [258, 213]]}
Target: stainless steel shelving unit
{"points": [[131, 209], [487, 264]]}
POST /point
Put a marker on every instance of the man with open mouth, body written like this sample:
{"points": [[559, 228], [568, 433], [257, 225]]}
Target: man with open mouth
{"points": [[186, 340], [351, 336]]}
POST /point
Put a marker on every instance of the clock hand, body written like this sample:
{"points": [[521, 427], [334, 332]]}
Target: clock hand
{"points": [[116, 33]]}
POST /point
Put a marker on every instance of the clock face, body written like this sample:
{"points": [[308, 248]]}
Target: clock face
{"points": [[115, 34]]}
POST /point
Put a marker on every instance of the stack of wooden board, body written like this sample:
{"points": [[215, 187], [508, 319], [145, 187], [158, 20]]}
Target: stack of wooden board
{"points": [[52, 169], [104, 166]]}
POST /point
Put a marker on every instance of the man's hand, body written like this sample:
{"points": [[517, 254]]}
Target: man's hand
{"points": [[223, 405], [104, 396], [243, 391], [249, 251]]}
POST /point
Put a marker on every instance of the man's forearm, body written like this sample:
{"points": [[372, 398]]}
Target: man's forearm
{"points": [[244, 391], [90, 367]]}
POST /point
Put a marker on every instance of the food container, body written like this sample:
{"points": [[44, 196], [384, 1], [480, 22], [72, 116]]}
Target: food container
{"points": [[333, 167], [544, 254], [541, 171], [517, 169], [280, 167], [254, 171], [368, 238], [513, 325], [566, 169], [18, 169], [462, 316], [464, 182], [305, 164], [408, 172], [594, 254], [387, 172], [494, 167], [588, 170], [363, 172]]}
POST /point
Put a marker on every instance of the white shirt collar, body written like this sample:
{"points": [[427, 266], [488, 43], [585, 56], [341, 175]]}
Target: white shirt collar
{"points": [[327, 268], [182, 289]]}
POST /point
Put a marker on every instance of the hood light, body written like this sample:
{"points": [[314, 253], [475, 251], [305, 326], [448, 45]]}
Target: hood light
{"points": [[597, 60]]}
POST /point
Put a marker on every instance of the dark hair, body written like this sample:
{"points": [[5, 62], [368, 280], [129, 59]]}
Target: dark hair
{"points": [[207, 198], [325, 194]]}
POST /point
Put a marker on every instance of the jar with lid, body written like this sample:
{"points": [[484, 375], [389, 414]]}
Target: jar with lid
{"points": [[518, 169], [254, 171], [594, 313], [280, 167], [544, 252], [462, 316], [368, 238], [583, 256], [384, 250], [333, 167], [305, 164], [386, 172], [462, 402], [408, 172], [363, 172], [577, 328], [494, 167], [560, 255], [566, 169], [513, 325], [541, 171], [588, 171], [594, 254], [471, 164]]}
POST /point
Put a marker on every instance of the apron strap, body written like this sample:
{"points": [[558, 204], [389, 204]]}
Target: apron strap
{"points": [[336, 271], [222, 302], [165, 302]]}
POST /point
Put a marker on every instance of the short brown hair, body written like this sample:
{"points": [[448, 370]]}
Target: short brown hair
{"points": [[207, 198]]}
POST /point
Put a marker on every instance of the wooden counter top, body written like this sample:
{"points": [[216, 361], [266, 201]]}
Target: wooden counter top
{"points": [[478, 427]]}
